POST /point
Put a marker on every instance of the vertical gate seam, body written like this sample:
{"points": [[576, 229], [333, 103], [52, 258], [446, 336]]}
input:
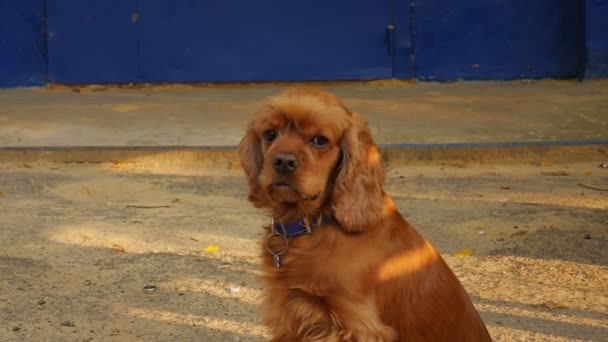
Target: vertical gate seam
{"points": [[412, 57]]}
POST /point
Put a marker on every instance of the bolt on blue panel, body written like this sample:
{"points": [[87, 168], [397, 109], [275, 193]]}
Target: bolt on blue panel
{"points": [[496, 39], [22, 43], [273, 40], [93, 41], [597, 38]]}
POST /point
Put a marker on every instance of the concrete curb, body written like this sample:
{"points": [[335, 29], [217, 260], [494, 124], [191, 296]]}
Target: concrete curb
{"points": [[225, 157]]}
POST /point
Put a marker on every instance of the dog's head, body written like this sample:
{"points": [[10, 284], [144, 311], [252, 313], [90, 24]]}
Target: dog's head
{"points": [[306, 154]]}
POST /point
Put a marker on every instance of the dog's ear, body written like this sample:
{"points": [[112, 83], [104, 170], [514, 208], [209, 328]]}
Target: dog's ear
{"points": [[250, 153], [357, 199]]}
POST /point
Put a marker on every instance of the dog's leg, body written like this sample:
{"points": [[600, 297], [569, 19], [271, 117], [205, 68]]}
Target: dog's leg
{"points": [[359, 321], [310, 318]]}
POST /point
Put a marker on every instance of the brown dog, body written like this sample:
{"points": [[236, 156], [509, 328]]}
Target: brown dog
{"points": [[339, 261]]}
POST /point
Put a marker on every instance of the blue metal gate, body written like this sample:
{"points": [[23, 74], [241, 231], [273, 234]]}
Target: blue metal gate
{"points": [[92, 41], [498, 39], [22, 43], [190, 40], [207, 41], [123, 41]]}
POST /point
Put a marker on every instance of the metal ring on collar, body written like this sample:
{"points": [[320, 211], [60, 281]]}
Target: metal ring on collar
{"points": [[281, 250]]}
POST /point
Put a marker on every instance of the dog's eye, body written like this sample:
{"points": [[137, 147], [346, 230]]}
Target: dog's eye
{"points": [[270, 135], [319, 141]]}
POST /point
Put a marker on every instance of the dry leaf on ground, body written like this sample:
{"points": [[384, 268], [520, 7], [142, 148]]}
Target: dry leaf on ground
{"points": [[550, 305], [119, 165], [211, 249], [554, 173], [118, 249], [464, 252]]}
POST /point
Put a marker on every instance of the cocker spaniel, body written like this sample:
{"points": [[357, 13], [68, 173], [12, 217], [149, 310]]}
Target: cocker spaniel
{"points": [[340, 263]]}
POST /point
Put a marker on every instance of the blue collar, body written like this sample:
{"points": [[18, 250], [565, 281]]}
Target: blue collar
{"points": [[299, 227]]}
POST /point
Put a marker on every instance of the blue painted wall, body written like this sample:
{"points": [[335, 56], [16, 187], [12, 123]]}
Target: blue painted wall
{"points": [[501, 39], [597, 38], [108, 41], [22, 43], [402, 21], [93, 41], [192, 40]]}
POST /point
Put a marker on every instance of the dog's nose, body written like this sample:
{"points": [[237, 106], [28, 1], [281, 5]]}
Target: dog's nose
{"points": [[285, 163]]}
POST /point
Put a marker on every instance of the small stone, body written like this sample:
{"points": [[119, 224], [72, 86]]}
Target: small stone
{"points": [[16, 328], [41, 302], [481, 232], [150, 288], [587, 236], [67, 324], [604, 165], [233, 289]]}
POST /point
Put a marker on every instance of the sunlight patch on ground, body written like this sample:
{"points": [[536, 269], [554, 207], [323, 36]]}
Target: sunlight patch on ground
{"points": [[499, 333], [556, 199], [184, 162], [553, 315], [138, 239], [110, 190], [220, 324], [217, 288]]}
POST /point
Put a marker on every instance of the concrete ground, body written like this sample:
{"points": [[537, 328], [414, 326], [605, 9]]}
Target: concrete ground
{"points": [[398, 112], [80, 242], [525, 228]]}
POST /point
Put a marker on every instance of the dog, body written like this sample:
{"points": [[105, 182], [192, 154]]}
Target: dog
{"points": [[339, 261]]}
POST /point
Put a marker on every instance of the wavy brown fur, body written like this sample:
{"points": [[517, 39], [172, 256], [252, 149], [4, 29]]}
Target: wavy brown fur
{"points": [[367, 276]]}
